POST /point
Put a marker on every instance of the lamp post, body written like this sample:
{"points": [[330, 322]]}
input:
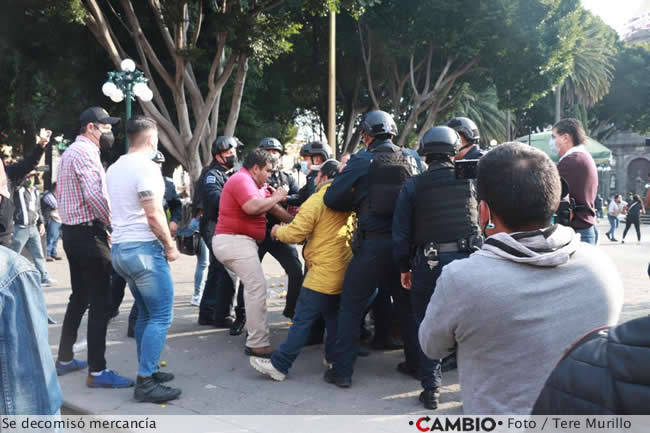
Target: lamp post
{"points": [[126, 85]]}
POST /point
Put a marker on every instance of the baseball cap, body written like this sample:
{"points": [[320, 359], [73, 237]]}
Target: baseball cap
{"points": [[97, 115]]}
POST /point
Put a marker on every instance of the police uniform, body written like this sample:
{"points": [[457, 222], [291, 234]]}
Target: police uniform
{"points": [[435, 223], [285, 254], [219, 290], [475, 153], [372, 265], [172, 202]]}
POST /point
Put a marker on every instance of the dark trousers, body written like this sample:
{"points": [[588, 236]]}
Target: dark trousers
{"points": [[118, 285], [89, 258], [219, 291], [287, 256], [637, 226], [311, 307], [422, 288], [372, 266]]}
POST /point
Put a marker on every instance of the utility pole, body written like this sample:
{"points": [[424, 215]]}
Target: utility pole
{"points": [[331, 114]]}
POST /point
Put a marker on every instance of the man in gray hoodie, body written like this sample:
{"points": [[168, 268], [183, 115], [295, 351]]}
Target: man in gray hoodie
{"points": [[513, 308]]}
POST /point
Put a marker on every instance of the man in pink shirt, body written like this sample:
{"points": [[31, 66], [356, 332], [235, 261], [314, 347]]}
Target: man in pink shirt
{"points": [[240, 227]]}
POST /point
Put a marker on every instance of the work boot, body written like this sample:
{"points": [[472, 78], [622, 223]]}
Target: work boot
{"points": [[148, 390], [341, 382], [430, 398], [449, 363], [239, 323]]}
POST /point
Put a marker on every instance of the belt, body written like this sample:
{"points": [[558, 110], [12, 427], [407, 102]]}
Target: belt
{"points": [[373, 236], [94, 223]]}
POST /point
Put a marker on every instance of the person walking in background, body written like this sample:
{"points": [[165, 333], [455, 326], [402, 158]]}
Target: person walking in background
{"points": [[30, 227], [634, 212], [86, 216], [52, 219], [142, 248], [613, 211]]}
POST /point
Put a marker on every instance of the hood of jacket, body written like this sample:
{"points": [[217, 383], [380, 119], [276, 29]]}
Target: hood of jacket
{"points": [[552, 246]]}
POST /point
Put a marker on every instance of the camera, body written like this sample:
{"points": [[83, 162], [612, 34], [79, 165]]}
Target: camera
{"points": [[466, 169]]}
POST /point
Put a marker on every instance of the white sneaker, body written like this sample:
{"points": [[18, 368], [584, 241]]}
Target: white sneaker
{"points": [[196, 300], [264, 366]]}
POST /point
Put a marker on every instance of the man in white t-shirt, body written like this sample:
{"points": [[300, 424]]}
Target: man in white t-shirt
{"points": [[614, 209], [142, 248]]}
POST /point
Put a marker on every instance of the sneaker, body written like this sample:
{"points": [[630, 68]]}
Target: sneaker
{"points": [[49, 259], [48, 282], [108, 379], [196, 300], [162, 377], [238, 325], [63, 369], [260, 352], [148, 390], [265, 367], [430, 397], [341, 382]]}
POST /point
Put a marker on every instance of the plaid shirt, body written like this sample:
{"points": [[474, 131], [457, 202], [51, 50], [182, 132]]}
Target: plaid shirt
{"points": [[81, 185]]}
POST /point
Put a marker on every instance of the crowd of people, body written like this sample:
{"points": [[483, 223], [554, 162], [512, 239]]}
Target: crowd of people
{"points": [[487, 258]]}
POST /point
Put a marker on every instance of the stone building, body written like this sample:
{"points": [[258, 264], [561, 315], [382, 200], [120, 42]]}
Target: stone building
{"points": [[630, 171]]}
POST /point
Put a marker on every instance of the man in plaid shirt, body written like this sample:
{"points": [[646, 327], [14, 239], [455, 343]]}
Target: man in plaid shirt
{"points": [[86, 215]]}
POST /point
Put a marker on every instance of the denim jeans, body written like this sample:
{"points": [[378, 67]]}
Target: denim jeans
{"points": [[588, 235], [311, 306], [30, 238], [28, 382], [53, 230], [144, 267], [613, 224], [202, 260], [422, 288], [372, 266]]}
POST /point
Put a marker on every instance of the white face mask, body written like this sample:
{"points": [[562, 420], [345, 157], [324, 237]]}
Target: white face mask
{"points": [[555, 150]]}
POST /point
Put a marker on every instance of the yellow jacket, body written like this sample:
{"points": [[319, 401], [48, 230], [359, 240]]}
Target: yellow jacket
{"points": [[327, 253]]}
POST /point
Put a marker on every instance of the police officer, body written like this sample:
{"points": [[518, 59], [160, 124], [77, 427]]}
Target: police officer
{"points": [[219, 290], [469, 137], [285, 254], [171, 200], [435, 222], [313, 153], [369, 185]]}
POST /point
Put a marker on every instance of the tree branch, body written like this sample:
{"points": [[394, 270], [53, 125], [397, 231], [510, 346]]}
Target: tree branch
{"points": [[237, 94], [367, 59]]}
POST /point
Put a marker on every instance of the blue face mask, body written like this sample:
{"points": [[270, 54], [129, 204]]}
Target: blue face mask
{"points": [[555, 150], [303, 167]]}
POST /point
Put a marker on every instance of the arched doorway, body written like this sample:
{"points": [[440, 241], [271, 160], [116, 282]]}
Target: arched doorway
{"points": [[637, 176]]}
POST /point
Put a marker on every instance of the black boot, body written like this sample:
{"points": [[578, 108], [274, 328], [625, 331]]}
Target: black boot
{"points": [[162, 376], [430, 398], [449, 363], [148, 390], [239, 323]]}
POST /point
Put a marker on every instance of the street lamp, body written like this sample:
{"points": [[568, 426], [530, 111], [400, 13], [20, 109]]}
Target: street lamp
{"points": [[127, 84]]}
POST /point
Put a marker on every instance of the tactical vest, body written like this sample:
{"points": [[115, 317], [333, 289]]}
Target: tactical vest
{"points": [[446, 209], [389, 169]]}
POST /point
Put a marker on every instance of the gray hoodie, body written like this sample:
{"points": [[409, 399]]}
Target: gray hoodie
{"points": [[513, 308]]}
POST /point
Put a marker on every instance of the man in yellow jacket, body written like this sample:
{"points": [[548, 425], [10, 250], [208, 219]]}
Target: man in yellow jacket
{"points": [[327, 255]]}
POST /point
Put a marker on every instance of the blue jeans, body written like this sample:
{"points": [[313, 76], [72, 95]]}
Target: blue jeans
{"points": [[30, 238], [144, 266], [311, 306], [202, 260], [28, 382], [588, 235], [613, 224], [53, 229]]}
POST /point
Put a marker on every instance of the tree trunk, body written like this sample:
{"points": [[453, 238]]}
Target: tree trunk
{"points": [[237, 94]]}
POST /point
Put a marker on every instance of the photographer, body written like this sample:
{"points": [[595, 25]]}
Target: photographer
{"points": [[513, 307]]}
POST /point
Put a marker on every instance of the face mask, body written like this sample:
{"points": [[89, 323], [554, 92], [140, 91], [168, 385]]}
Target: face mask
{"points": [[230, 161], [553, 146], [303, 167]]}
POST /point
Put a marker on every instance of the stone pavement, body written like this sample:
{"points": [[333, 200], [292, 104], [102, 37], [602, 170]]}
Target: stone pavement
{"points": [[215, 376]]}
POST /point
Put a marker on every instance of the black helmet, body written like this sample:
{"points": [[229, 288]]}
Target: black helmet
{"points": [[440, 140], [304, 150], [319, 148], [270, 143], [466, 127], [223, 143], [330, 168], [158, 157], [378, 122]]}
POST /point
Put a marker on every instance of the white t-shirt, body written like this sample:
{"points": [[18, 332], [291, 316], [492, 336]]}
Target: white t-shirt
{"points": [[614, 208], [131, 174]]}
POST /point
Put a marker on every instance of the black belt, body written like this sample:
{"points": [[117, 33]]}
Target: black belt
{"points": [[94, 224], [374, 236]]}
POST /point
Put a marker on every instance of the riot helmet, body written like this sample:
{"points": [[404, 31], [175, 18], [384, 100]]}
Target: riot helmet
{"points": [[270, 143], [319, 148], [158, 157], [329, 168], [304, 150], [375, 123], [440, 140], [223, 143], [465, 127]]}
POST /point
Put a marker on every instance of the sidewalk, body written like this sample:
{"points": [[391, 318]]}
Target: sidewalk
{"points": [[214, 374]]}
